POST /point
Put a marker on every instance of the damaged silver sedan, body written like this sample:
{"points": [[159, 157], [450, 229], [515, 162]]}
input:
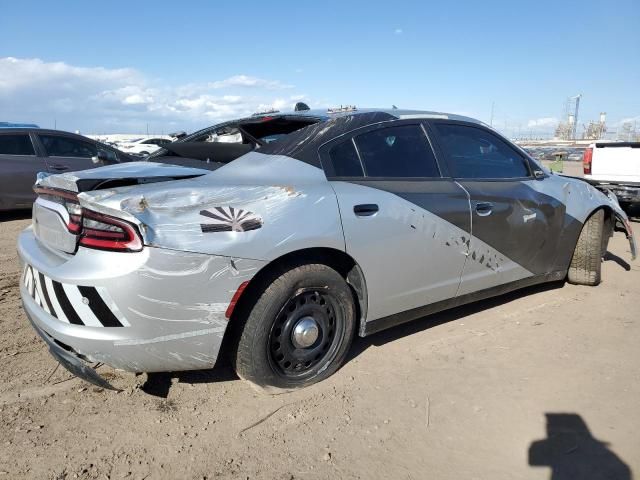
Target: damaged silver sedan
{"points": [[345, 224]]}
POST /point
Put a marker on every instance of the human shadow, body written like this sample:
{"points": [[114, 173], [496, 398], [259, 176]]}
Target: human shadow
{"points": [[573, 453]]}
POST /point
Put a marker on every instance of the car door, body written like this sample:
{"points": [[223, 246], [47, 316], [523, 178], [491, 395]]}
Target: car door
{"points": [[515, 227], [19, 166], [404, 221], [68, 153]]}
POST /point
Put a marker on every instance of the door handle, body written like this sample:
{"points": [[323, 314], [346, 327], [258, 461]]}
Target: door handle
{"points": [[365, 210], [484, 208], [59, 168]]}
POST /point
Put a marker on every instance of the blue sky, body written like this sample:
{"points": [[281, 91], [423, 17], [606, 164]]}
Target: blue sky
{"points": [[118, 66]]}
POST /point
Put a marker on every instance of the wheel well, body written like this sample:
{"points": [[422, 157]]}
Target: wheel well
{"points": [[608, 228], [340, 261]]}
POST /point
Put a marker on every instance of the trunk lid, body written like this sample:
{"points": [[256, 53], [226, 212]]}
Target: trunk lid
{"points": [[57, 212]]}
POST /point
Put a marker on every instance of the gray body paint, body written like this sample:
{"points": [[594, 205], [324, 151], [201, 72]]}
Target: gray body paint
{"points": [[207, 233]]}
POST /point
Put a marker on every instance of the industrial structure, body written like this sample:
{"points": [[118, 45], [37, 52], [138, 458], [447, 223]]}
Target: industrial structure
{"points": [[596, 130], [566, 130]]}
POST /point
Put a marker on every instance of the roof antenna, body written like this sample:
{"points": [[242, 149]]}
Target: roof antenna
{"points": [[393, 107], [301, 106]]}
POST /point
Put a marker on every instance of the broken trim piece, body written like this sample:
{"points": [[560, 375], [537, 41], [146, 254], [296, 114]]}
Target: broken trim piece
{"points": [[629, 233]]}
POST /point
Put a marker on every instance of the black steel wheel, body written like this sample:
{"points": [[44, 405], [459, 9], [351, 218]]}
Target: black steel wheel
{"points": [[306, 332], [299, 330]]}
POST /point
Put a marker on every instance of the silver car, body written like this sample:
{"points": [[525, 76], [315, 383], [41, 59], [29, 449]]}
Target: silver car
{"points": [[360, 221]]}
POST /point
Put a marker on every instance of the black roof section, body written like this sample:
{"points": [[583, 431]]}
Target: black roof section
{"points": [[303, 144]]}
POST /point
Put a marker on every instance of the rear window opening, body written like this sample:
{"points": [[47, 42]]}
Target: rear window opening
{"points": [[270, 130], [218, 146]]}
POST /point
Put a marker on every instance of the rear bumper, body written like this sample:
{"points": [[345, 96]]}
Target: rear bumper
{"points": [[71, 360], [155, 310], [625, 191]]}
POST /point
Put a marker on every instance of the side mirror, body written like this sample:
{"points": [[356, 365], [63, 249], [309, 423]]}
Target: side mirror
{"points": [[101, 157], [539, 174]]}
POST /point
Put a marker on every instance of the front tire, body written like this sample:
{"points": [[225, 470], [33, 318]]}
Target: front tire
{"points": [[586, 264], [299, 329]]}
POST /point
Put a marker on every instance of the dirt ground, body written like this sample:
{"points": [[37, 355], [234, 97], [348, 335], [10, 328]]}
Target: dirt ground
{"points": [[498, 390]]}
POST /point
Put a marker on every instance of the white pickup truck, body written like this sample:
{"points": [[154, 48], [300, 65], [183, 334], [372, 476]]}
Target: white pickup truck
{"points": [[614, 167]]}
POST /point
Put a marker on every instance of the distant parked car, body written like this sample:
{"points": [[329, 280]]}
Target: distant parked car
{"points": [[143, 146], [18, 125], [26, 151]]}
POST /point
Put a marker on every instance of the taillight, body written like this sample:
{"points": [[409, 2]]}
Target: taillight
{"points": [[70, 202], [104, 232], [587, 157], [95, 230]]}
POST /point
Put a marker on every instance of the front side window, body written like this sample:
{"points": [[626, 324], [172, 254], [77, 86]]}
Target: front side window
{"points": [[401, 151], [68, 147], [109, 155], [476, 153], [16, 145]]}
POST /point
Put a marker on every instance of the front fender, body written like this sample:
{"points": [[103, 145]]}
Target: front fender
{"points": [[622, 218], [626, 228]]}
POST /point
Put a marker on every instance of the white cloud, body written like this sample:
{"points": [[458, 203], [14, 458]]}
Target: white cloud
{"points": [[398, 31], [246, 81], [635, 120], [124, 100], [544, 123]]}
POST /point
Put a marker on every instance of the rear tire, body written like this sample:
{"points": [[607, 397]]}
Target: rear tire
{"points": [[298, 331], [586, 264]]}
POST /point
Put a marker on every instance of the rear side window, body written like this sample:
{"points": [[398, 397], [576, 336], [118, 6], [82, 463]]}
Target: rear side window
{"points": [[16, 145], [401, 151], [345, 160], [68, 147], [476, 153]]}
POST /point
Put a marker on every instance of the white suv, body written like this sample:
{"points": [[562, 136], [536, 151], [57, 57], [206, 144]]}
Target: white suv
{"points": [[143, 146]]}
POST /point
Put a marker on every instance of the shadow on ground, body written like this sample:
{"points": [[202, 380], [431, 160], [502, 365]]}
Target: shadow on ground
{"points": [[571, 451], [614, 258], [159, 384], [14, 215], [419, 325]]}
